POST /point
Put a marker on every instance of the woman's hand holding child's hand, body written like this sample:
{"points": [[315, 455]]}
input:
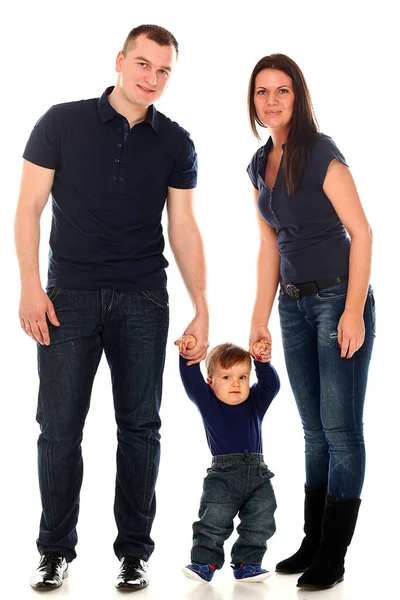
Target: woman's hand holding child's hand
{"points": [[262, 350]]}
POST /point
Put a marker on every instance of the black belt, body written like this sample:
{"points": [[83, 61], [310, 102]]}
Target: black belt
{"points": [[298, 290]]}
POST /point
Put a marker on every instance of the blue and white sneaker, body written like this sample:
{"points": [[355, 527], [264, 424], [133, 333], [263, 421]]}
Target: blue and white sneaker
{"points": [[199, 571], [250, 573]]}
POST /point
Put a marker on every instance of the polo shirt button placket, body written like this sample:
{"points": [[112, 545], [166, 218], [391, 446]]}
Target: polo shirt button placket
{"points": [[123, 162], [117, 163], [271, 208]]}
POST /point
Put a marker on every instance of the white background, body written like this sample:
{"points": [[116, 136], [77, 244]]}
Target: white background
{"points": [[56, 52]]}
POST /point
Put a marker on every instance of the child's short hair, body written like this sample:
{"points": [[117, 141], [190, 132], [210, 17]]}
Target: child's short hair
{"points": [[226, 355]]}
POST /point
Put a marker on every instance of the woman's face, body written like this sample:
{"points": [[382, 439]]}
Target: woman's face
{"points": [[274, 98]]}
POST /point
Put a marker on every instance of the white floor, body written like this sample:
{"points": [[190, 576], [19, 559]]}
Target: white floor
{"points": [[166, 581], [79, 586]]}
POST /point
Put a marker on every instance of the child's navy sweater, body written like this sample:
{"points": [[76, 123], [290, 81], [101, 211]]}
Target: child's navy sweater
{"points": [[231, 429]]}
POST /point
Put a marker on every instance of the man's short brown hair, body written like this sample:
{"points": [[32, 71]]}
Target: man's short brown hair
{"points": [[226, 355], [157, 34]]}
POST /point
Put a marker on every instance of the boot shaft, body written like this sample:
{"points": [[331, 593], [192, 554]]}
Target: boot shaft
{"points": [[338, 526], [339, 522], [314, 506]]}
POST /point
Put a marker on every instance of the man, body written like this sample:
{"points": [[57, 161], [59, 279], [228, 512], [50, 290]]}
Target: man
{"points": [[109, 163]]}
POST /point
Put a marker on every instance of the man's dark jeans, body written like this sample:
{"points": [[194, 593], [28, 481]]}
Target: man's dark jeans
{"points": [[131, 328], [236, 484]]}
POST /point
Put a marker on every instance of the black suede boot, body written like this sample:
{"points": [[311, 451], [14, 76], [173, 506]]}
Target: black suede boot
{"points": [[338, 526], [314, 504]]}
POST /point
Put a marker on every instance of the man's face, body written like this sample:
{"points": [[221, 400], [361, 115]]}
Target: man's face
{"points": [[231, 386], [144, 72]]}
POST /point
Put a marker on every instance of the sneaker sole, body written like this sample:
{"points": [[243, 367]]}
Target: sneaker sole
{"points": [[255, 579], [192, 575]]}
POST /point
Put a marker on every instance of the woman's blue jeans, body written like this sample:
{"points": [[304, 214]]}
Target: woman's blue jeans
{"points": [[329, 390], [131, 328]]}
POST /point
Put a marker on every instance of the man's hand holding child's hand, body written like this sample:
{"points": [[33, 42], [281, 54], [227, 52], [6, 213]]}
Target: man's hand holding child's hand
{"points": [[185, 342]]}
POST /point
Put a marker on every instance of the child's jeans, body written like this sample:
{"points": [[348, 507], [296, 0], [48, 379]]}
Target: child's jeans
{"points": [[236, 484]]}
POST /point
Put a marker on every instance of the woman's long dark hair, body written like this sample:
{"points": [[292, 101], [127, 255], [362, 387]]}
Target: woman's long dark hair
{"points": [[303, 128]]}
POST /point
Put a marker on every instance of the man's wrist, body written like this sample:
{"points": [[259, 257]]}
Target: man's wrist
{"points": [[201, 308], [30, 281]]}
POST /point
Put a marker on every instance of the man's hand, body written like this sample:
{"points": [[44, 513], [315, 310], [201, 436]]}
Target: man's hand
{"points": [[34, 306], [262, 350], [185, 342], [198, 329]]}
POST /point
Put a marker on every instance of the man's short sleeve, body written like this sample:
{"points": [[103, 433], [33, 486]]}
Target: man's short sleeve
{"points": [[323, 151], [184, 175], [43, 145], [252, 169]]}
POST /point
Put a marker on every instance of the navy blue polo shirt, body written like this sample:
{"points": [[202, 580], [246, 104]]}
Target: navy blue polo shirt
{"points": [[313, 243], [232, 428], [109, 191]]}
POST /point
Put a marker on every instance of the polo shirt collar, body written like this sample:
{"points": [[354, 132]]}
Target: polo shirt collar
{"points": [[268, 146], [152, 117], [107, 112]]}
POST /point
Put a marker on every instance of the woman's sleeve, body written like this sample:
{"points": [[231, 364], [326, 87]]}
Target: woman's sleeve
{"points": [[252, 169], [323, 152]]}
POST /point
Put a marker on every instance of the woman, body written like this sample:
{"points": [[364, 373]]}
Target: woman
{"points": [[316, 243]]}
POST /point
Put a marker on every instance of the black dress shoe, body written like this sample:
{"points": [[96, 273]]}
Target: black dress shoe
{"points": [[49, 575], [132, 574]]}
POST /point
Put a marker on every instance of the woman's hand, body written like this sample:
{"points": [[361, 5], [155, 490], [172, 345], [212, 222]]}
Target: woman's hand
{"points": [[258, 334], [351, 333], [262, 350]]}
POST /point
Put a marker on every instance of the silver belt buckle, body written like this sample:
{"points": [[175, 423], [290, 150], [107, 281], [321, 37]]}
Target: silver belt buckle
{"points": [[292, 291]]}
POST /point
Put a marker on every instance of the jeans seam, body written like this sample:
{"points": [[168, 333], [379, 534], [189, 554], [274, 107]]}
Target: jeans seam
{"points": [[362, 461], [372, 311], [151, 447], [112, 300], [46, 455]]}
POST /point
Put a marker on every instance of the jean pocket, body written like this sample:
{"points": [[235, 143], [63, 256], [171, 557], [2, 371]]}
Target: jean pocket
{"points": [[158, 297], [52, 292], [216, 487], [334, 292], [264, 472]]}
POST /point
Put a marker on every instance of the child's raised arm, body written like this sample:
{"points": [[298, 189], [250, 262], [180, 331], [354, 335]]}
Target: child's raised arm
{"points": [[193, 381], [267, 386]]}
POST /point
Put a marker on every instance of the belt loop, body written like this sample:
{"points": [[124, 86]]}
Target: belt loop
{"points": [[247, 455]]}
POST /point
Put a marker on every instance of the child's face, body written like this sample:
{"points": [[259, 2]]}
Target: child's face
{"points": [[231, 386]]}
